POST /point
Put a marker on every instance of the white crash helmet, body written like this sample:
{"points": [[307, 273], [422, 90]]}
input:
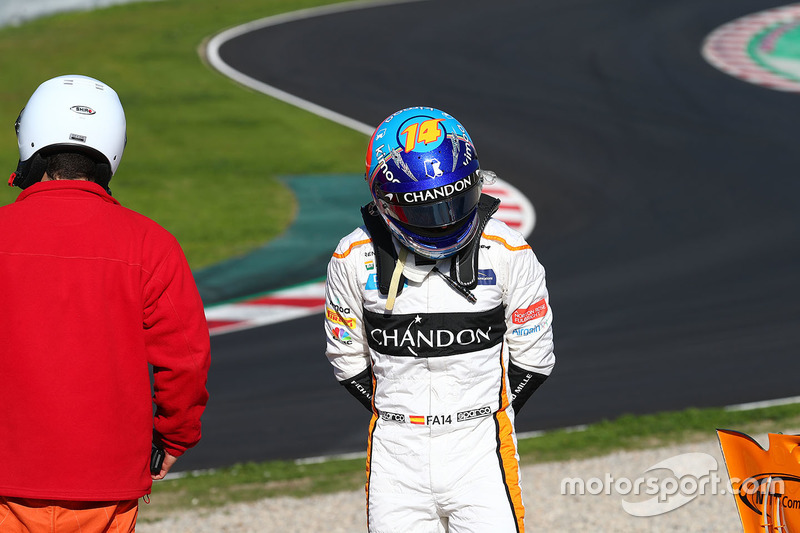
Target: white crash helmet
{"points": [[72, 113]]}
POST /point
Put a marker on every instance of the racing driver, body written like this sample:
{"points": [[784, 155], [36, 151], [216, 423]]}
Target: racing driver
{"points": [[438, 320]]}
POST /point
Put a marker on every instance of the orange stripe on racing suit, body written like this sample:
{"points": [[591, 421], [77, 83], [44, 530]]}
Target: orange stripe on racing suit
{"points": [[507, 454], [504, 243], [372, 423], [350, 249]]}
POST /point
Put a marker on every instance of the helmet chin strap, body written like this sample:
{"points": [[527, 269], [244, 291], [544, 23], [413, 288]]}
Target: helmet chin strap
{"points": [[103, 176], [28, 172], [32, 171]]}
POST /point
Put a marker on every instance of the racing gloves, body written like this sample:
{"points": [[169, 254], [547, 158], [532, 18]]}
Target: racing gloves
{"points": [[523, 384], [360, 386]]}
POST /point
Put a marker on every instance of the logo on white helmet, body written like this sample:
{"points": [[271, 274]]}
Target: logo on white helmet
{"points": [[82, 110]]}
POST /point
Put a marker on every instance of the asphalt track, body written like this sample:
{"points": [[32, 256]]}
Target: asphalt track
{"points": [[666, 195]]}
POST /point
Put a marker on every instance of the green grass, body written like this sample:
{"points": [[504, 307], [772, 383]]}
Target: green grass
{"points": [[252, 481], [203, 153], [631, 432], [246, 482]]}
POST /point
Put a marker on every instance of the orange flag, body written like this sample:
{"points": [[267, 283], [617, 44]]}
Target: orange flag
{"points": [[765, 483]]}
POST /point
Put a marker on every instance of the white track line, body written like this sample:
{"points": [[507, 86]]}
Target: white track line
{"points": [[516, 209], [760, 405], [214, 59]]}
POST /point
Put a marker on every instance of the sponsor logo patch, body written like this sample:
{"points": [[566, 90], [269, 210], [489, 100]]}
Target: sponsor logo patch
{"points": [[372, 283], [535, 311], [472, 414], [339, 309], [336, 318], [342, 335], [522, 332], [434, 335], [412, 340], [487, 277], [393, 417]]}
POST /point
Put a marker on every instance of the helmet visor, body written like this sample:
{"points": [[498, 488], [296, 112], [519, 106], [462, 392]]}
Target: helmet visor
{"points": [[438, 213]]}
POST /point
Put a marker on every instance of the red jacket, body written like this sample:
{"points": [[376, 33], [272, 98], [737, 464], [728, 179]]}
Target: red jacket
{"points": [[90, 293]]}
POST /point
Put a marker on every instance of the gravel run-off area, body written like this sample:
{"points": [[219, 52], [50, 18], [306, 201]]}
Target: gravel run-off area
{"points": [[709, 505]]}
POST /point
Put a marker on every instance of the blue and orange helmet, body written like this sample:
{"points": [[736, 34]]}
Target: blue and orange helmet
{"points": [[424, 176]]}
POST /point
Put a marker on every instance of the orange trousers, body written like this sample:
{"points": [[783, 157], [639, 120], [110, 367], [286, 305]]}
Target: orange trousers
{"points": [[23, 515]]}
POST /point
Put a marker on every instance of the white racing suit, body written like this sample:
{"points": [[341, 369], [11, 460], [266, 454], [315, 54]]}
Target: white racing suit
{"points": [[442, 451]]}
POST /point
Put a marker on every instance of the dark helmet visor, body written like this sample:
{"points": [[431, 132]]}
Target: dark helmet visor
{"points": [[432, 214]]}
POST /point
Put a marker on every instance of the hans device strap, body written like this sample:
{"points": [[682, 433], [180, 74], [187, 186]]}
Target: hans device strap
{"points": [[385, 254], [464, 265]]}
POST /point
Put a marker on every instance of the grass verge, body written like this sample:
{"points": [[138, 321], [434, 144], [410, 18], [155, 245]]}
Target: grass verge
{"points": [[251, 481], [203, 153]]}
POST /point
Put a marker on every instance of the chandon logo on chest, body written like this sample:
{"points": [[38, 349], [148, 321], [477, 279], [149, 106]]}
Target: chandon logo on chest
{"points": [[439, 338], [433, 335]]}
